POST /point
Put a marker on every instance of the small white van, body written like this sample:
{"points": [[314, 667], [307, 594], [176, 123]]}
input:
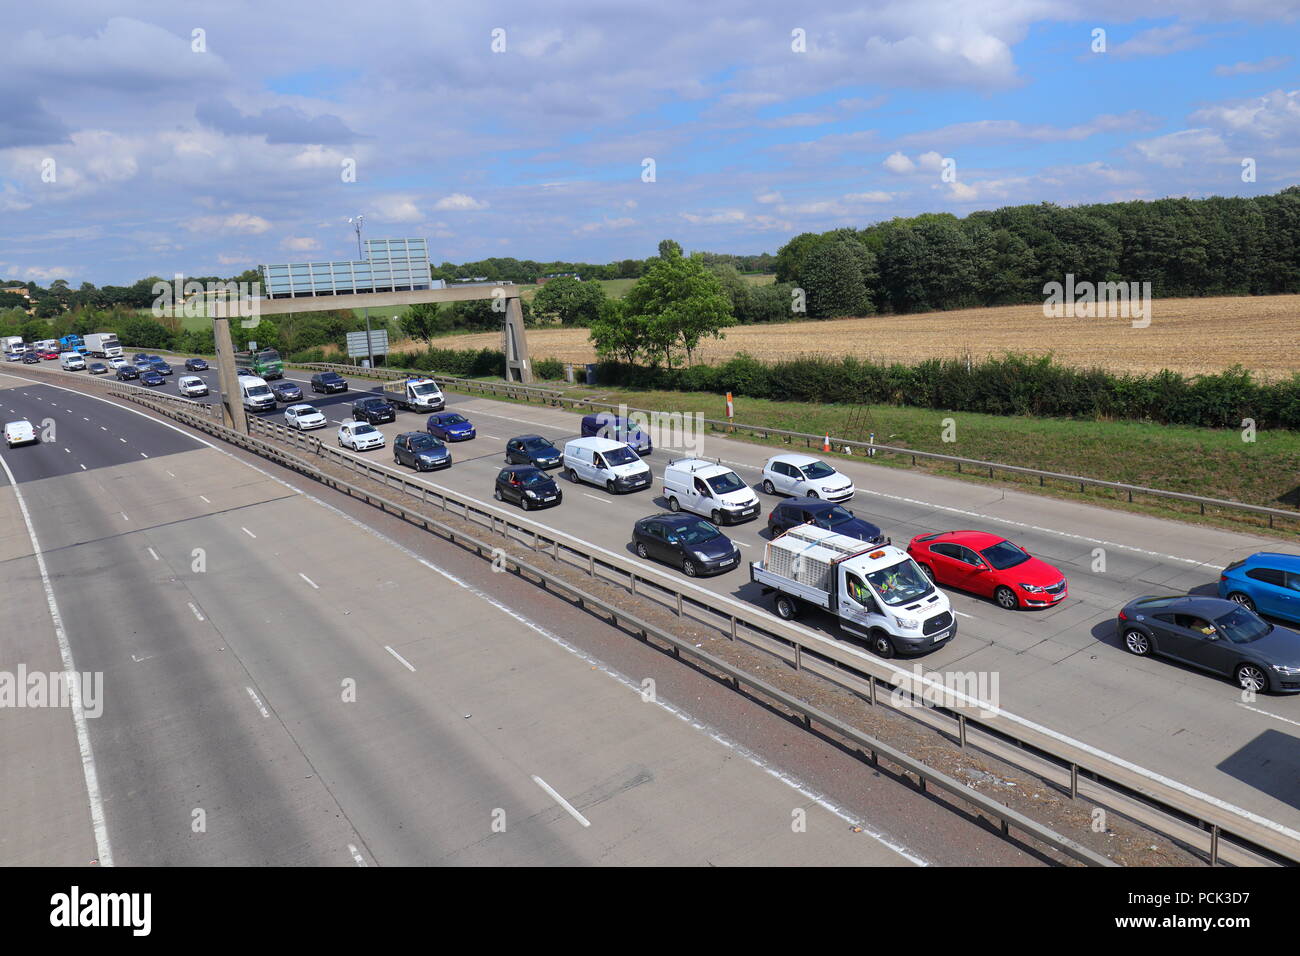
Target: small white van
{"points": [[709, 489], [256, 394], [610, 464], [72, 361]]}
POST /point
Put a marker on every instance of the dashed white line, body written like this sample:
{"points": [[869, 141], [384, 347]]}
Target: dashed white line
{"points": [[561, 801], [596, 498], [206, 499], [143, 455], [258, 701], [405, 662], [356, 856], [1267, 714], [309, 580], [83, 467], [247, 532], [154, 554], [124, 517], [122, 440], [195, 610], [170, 475]]}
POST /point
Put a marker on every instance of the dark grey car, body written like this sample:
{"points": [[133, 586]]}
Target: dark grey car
{"points": [[1215, 635]]}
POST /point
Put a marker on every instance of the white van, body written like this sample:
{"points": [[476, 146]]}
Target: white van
{"points": [[602, 461], [72, 361], [256, 394], [709, 489]]}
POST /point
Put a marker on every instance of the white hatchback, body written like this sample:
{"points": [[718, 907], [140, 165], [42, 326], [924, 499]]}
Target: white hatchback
{"points": [[191, 385], [20, 432], [804, 476], [304, 417], [117, 362], [360, 436]]}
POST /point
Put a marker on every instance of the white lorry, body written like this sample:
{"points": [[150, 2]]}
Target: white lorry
{"points": [[103, 345], [13, 348], [877, 591], [415, 395]]}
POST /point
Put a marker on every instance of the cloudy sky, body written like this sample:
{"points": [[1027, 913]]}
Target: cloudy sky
{"points": [[142, 138]]}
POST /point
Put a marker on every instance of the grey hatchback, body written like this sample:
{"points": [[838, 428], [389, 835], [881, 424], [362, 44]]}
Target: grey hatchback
{"points": [[1215, 635]]}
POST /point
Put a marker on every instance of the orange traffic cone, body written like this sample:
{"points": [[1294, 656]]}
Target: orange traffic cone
{"points": [[826, 445]]}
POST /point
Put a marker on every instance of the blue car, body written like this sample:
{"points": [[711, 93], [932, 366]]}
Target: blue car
{"points": [[824, 514], [196, 365], [1267, 582], [150, 377], [609, 425], [161, 367], [449, 426]]}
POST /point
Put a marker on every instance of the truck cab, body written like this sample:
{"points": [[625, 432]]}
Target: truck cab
{"points": [[416, 395]]}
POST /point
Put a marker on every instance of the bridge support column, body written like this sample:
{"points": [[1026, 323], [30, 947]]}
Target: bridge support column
{"points": [[232, 404], [515, 344]]}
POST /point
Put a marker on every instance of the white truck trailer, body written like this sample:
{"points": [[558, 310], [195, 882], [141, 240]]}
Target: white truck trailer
{"points": [[877, 591], [415, 395], [103, 345]]}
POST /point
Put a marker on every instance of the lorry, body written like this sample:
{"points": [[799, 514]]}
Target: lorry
{"points": [[415, 395], [876, 591], [264, 363], [12, 347], [72, 343], [104, 345]]}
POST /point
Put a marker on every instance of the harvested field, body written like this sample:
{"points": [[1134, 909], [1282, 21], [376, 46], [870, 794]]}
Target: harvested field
{"points": [[1185, 335]]}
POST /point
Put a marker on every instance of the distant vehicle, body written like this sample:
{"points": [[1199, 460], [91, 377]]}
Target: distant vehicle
{"points": [[142, 361], [117, 362], [691, 543], [877, 592], [609, 425], [161, 367], [11, 343], [450, 426], [804, 476], [196, 365], [710, 489], [127, 372], [31, 358], [1215, 635], [1267, 582], [14, 355], [533, 450], [415, 395], [140, 357], [328, 382], [527, 486], [360, 436], [103, 345], [255, 394], [19, 432], [824, 514], [286, 391], [989, 565], [48, 355], [150, 377], [421, 451], [304, 417], [610, 464], [373, 410], [72, 343], [264, 363], [191, 386], [72, 361], [97, 368]]}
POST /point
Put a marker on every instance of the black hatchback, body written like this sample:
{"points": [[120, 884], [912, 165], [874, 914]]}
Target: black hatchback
{"points": [[533, 450], [528, 487], [691, 543], [127, 372], [328, 382], [373, 410], [824, 514], [196, 365], [285, 390], [421, 451]]}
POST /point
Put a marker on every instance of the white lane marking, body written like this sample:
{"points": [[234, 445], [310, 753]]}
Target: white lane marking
{"points": [[83, 467], [596, 498], [309, 580], [1267, 714], [356, 856], [143, 455], [493, 437], [170, 475], [405, 663], [103, 852], [195, 610], [124, 517], [206, 499], [962, 613], [257, 700], [154, 554], [102, 428], [68, 450], [561, 801], [84, 418], [744, 544], [247, 532]]}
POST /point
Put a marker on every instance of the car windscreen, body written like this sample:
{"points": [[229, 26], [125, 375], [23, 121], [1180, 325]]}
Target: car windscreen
{"points": [[537, 445], [900, 583], [331, 377], [620, 456], [363, 429], [833, 516], [257, 391], [1004, 555], [725, 484], [425, 443], [452, 420], [302, 410], [534, 478], [818, 469], [425, 389], [696, 532], [1241, 626]]}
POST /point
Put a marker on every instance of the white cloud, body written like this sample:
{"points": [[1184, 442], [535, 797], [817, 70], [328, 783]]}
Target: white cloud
{"points": [[877, 196], [1159, 41], [240, 222], [606, 224], [962, 192], [300, 244], [1245, 67], [769, 197], [898, 163], [396, 209], [721, 216], [459, 201], [1177, 149]]}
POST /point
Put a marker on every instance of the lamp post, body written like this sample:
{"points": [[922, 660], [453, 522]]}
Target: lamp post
{"points": [[370, 349]]}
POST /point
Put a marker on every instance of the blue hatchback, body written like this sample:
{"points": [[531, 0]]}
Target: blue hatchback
{"points": [[449, 426], [1267, 582]]}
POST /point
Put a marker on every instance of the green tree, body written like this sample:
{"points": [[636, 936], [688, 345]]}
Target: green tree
{"points": [[834, 278], [424, 321], [568, 301], [679, 302], [670, 249], [615, 334]]}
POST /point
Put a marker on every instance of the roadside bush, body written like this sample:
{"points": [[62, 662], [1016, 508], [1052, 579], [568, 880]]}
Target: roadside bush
{"points": [[549, 370]]}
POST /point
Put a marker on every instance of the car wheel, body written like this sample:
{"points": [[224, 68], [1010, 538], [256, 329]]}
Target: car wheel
{"points": [[341, 445], [609, 486], [673, 505], [929, 572], [1251, 677], [716, 516], [688, 566], [1136, 642], [787, 608], [813, 494], [496, 493], [1242, 599], [882, 645], [641, 551], [573, 476], [768, 487], [1006, 598]]}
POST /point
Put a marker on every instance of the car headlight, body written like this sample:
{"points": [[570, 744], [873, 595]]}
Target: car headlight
{"points": [[1032, 588], [1288, 671], [701, 556], [530, 493], [907, 625]]}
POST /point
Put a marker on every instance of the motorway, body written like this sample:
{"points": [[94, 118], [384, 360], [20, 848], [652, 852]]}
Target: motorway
{"points": [[283, 684], [1060, 668]]}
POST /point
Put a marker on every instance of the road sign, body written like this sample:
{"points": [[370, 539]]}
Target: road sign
{"points": [[357, 347]]}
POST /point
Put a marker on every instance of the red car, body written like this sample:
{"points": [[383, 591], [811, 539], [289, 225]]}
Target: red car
{"points": [[47, 355], [989, 565]]}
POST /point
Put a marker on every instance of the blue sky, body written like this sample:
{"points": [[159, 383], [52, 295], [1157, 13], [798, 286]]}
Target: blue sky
{"points": [[173, 138]]}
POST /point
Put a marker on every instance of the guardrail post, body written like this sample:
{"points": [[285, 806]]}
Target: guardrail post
{"points": [[679, 603], [961, 731], [591, 565], [798, 656], [1074, 780], [1214, 844]]}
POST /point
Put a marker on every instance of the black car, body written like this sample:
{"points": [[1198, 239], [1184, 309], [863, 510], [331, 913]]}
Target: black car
{"points": [[127, 372], [328, 382], [421, 451], [1216, 635], [151, 377], [196, 365], [31, 358], [533, 450], [691, 543], [528, 487], [824, 514], [141, 357], [97, 368], [373, 410], [285, 390], [161, 367]]}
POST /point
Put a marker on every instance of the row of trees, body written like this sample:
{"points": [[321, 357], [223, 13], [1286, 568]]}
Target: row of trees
{"points": [[527, 271], [1183, 247]]}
